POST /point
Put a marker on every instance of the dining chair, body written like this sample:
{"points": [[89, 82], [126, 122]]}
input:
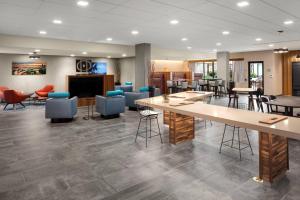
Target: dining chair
{"points": [[202, 85]]}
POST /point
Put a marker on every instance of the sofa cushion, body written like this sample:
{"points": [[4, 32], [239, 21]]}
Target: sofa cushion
{"points": [[114, 93], [59, 95], [128, 83], [144, 89]]}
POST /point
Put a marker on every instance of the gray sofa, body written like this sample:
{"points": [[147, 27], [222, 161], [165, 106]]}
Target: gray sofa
{"points": [[61, 110], [110, 107]]}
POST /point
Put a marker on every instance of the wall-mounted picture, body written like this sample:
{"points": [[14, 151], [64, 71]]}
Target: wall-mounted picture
{"points": [[29, 68], [83, 65], [98, 68]]}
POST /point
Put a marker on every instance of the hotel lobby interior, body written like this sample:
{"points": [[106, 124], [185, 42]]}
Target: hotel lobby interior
{"points": [[149, 100]]}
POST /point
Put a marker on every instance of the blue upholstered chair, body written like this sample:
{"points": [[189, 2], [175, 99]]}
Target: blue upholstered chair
{"points": [[125, 88], [131, 97], [61, 109], [110, 107]]}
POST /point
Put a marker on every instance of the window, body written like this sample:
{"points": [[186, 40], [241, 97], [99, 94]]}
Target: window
{"points": [[207, 68]]}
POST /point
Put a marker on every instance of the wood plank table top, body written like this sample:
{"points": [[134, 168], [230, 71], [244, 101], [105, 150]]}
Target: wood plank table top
{"points": [[243, 90], [289, 127], [286, 101]]}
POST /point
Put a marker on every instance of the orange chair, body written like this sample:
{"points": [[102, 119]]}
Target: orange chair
{"points": [[2, 88], [45, 91], [14, 97]]}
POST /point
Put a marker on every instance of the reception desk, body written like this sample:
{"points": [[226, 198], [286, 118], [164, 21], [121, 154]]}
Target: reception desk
{"points": [[273, 142]]}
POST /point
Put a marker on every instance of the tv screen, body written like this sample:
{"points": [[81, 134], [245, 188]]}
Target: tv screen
{"points": [[98, 68], [85, 86]]}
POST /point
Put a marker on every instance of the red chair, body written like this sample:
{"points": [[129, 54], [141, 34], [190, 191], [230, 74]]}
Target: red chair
{"points": [[45, 90], [2, 88], [14, 97]]}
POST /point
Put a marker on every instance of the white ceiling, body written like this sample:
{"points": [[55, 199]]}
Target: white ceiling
{"points": [[201, 21]]}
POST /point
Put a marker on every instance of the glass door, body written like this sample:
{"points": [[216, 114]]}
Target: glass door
{"points": [[256, 74]]}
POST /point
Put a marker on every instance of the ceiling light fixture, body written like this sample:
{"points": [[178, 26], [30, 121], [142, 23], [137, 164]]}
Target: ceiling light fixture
{"points": [[215, 50], [124, 55], [271, 45], [82, 3], [243, 4], [37, 50], [258, 39], [84, 53], [288, 22], [72, 55], [30, 53], [225, 32], [134, 32], [184, 39], [108, 39], [174, 21], [281, 50], [218, 43], [108, 56], [43, 32], [57, 21], [189, 48]]}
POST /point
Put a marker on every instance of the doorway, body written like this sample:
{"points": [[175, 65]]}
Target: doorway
{"points": [[256, 75]]}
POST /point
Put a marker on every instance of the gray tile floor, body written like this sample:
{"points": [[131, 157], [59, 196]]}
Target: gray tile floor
{"points": [[98, 159]]}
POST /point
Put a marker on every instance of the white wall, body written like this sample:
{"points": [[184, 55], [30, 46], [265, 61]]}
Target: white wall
{"points": [[127, 67], [58, 68]]}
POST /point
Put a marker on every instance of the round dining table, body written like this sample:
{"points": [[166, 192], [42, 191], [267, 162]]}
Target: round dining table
{"points": [[288, 102]]}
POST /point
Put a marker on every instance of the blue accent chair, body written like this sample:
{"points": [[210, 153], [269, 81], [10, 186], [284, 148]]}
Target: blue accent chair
{"points": [[110, 107], [114, 93], [61, 110], [131, 97], [59, 95], [125, 88]]}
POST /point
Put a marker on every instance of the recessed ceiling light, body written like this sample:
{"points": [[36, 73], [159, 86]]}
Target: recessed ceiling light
{"points": [[288, 22], [108, 39], [124, 55], [30, 53], [215, 50], [189, 48], [43, 32], [84, 53], [174, 21], [135, 32], [258, 39], [108, 56], [82, 3], [37, 50], [225, 32], [184, 39], [218, 43], [72, 55], [271, 45], [242, 4], [57, 21]]}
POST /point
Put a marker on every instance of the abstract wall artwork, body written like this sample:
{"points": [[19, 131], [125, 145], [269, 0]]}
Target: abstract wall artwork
{"points": [[29, 68], [83, 65]]}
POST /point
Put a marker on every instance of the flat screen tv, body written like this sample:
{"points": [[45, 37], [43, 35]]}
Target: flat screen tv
{"points": [[85, 86], [98, 68]]}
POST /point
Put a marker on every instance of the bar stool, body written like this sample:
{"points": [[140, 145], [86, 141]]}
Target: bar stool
{"points": [[224, 143], [148, 115]]}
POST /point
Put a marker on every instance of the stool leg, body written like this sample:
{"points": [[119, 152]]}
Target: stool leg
{"points": [[146, 132], [239, 143], [159, 130], [229, 102], [138, 130], [222, 138], [233, 136], [249, 141], [150, 127]]}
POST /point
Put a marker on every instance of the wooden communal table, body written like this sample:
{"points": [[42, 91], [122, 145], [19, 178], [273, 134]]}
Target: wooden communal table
{"points": [[288, 102], [273, 142]]}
